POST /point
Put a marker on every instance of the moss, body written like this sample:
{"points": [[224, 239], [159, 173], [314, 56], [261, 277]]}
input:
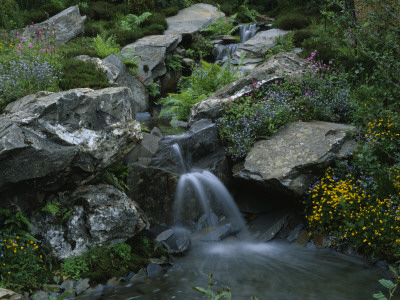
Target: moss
{"points": [[79, 74]]}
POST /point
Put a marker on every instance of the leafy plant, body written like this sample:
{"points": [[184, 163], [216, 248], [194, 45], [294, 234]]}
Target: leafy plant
{"points": [[283, 43], [292, 21], [58, 209], [74, 267], [389, 284], [222, 26], [131, 22], [14, 222], [204, 80], [105, 47], [153, 89], [115, 175], [173, 62], [224, 293]]}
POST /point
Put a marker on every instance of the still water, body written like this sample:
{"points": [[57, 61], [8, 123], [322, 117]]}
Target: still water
{"points": [[272, 270]]}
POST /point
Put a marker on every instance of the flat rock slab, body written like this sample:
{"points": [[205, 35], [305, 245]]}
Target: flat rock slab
{"points": [[296, 154], [193, 18], [151, 52], [66, 25]]}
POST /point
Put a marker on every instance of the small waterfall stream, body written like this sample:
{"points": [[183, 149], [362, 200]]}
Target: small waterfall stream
{"points": [[246, 32], [273, 270]]}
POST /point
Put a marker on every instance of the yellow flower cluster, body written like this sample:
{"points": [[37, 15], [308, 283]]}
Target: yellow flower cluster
{"points": [[342, 209], [383, 128]]}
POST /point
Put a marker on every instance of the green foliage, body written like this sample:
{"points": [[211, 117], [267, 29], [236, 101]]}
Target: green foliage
{"points": [[105, 47], [77, 46], [170, 11], [153, 29], [292, 21], [13, 222], [125, 37], [21, 257], [57, 209], [389, 284], [74, 268], [153, 89], [245, 14], [131, 22], [80, 74], [204, 80], [224, 293], [300, 35], [284, 43], [116, 175], [202, 48], [99, 10], [10, 15], [174, 62], [222, 26]]}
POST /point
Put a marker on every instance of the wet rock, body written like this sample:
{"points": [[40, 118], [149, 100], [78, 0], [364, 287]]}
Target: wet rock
{"points": [[151, 52], [192, 19], [254, 49], [51, 136], [267, 226], [40, 295], [51, 288], [207, 220], [154, 270], [117, 72], [100, 214], [164, 235], [112, 281], [177, 243], [265, 19], [139, 276], [303, 238], [217, 234], [188, 62], [146, 148], [94, 293], [320, 240], [66, 25], [68, 285], [152, 185], [294, 234], [292, 157], [108, 290], [276, 67], [82, 285]]}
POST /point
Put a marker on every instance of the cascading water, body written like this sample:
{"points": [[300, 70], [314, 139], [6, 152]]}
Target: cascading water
{"points": [[273, 270], [246, 32], [200, 193]]}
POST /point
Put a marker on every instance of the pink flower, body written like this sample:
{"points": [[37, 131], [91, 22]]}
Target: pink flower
{"points": [[30, 45]]}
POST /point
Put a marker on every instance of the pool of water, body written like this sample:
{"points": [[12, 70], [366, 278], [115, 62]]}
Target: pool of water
{"points": [[267, 270], [148, 121]]}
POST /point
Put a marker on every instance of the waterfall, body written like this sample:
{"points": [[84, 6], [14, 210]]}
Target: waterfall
{"points": [[246, 32]]}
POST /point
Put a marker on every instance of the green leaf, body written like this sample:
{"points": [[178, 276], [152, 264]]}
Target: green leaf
{"points": [[380, 296], [387, 283], [203, 291]]}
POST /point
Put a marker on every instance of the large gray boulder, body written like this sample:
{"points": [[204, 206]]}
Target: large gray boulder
{"points": [[255, 48], [66, 25], [278, 66], [151, 52], [98, 214], [117, 72], [192, 19], [290, 159], [154, 177], [51, 136]]}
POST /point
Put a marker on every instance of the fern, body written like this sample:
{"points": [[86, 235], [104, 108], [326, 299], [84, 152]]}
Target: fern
{"points": [[222, 26], [53, 208], [115, 175], [106, 47], [13, 222], [130, 22]]}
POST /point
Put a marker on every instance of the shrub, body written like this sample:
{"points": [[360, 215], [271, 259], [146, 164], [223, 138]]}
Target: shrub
{"points": [[245, 14], [93, 29], [23, 264], [78, 46], [173, 62], [10, 15], [26, 67], [125, 37], [156, 18], [34, 16], [300, 35], [153, 29], [202, 48], [99, 11], [292, 21], [283, 43], [79, 74], [170, 11]]}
